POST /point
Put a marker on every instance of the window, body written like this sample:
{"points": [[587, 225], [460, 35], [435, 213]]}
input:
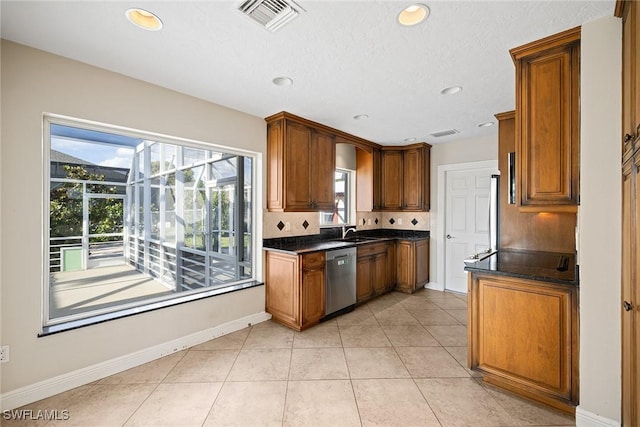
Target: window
{"points": [[134, 220], [341, 213]]}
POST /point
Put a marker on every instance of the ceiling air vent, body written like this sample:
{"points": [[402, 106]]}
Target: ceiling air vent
{"points": [[444, 133], [271, 14]]}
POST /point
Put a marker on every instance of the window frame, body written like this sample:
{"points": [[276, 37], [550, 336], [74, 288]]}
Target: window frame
{"points": [[350, 199], [120, 310]]}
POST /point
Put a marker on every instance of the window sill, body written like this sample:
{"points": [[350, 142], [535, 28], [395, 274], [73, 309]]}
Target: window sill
{"points": [[94, 320]]}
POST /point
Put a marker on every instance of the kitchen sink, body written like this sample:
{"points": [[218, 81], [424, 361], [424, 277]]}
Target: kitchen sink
{"points": [[359, 239]]}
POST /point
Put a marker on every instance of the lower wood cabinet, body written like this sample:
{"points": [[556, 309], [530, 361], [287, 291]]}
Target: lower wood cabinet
{"points": [[295, 288], [412, 264], [375, 274], [523, 336]]}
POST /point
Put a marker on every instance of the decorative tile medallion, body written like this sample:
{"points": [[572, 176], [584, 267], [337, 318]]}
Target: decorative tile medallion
{"points": [[280, 225], [305, 224]]}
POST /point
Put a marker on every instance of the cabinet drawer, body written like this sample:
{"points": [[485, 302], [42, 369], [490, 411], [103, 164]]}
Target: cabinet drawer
{"points": [[371, 249], [313, 261]]}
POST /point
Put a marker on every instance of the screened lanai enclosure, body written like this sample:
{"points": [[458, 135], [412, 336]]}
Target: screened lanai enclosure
{"points": [[135, 220]]}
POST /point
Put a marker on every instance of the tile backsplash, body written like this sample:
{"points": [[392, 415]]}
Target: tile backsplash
{"points": [[290, 224], [393, 220]]}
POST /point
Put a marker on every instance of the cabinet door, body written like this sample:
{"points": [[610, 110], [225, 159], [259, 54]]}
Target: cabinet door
{"points": [[313, 294], [525, 332], [547, 125], [392, 180], [275, 158], [364, 285], [379, 272], [323, 166], [297, 184], [391, 266], [629, 32], [413, 179], [422, 262], [405, 266], [377, 180], [635, 294], [628, 359], [282, 288]]}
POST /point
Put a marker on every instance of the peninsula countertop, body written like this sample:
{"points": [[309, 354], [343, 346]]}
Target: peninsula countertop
{"points": [[551, 267]]}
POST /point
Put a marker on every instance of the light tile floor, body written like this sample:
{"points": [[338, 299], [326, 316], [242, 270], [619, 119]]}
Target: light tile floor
{"points": [[399, 360]]}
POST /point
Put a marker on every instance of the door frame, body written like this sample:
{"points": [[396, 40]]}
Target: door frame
{"points": [[437, 236]]}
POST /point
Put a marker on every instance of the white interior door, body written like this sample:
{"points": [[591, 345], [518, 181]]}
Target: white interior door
{"points": [[467, 196]]}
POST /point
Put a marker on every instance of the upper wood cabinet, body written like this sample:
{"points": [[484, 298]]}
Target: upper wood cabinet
{"points": [[548, 123], [391, 180], [416, 180], [301, 163], [629, 11], [405, 178]]}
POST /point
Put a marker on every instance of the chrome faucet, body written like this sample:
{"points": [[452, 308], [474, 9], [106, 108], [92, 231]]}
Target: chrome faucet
{"points": [[346, 230]]}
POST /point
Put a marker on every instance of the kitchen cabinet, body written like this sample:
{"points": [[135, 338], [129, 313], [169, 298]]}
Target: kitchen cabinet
{"points": [[523, 336], [405, 178], [412, 264], [416, 179], [629, 11], [548, 123], [554, 232], [300, 166], [374, 271], [368, 182], [391, 180], [295, 288]]}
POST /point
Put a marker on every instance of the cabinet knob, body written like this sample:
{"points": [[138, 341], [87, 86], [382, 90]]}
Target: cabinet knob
{"points": [[627, 306], [628, 137], [449, 236]]}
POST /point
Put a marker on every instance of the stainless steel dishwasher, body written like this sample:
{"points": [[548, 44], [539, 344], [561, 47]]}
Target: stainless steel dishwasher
{"points": [[340, 282]]}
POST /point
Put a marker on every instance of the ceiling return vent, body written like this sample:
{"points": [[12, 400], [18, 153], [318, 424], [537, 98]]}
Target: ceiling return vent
{"points": [[444, 133], [271, 14]]}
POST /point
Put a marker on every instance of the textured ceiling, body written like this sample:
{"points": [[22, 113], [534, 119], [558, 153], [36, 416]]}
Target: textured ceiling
{"points": [[345, 57]]}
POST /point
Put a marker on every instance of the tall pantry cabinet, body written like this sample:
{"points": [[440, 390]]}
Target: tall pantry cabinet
{"points": [[630, 301]]}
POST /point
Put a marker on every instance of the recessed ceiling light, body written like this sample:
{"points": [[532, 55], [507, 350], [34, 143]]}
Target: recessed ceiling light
{"points": [[451, 90], [144, 19], [282, 81], [361, 117], [413, 15], [409, 139], [486, 124]]}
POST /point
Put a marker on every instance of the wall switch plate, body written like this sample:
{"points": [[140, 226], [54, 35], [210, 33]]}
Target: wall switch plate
{"points": [[4, 354]]}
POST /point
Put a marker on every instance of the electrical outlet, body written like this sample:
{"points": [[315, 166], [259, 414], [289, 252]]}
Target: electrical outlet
{"points": [[287, 226], [4, 354], [399, 221]]}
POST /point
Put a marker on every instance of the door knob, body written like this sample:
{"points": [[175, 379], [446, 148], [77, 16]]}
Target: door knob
{"points": [[449, 236], [627, 306]]}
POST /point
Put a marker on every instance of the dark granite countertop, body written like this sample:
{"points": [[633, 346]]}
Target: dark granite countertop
{"points": [[330, 239], [551, 267]]}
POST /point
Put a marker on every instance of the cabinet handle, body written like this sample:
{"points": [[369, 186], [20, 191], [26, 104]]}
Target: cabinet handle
{"points": [[449, 236], [628, 137], [627, 306]]}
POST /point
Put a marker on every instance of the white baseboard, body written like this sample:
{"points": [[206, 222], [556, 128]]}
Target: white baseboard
{"points": [[585, 418], [52, 386], [434, 286]]}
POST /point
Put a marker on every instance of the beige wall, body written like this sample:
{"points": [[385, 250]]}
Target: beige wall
{"points": [[34, 82], [600, 219], [465, 151]]}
